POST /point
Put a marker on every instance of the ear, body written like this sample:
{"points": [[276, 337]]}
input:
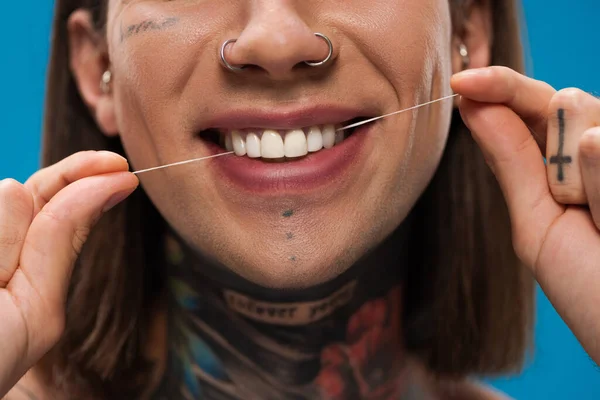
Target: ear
{"points": [[89, 60], [476, 33]]}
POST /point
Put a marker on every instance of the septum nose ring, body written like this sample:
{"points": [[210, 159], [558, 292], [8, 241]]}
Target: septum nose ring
{"points": [[234, 68]]}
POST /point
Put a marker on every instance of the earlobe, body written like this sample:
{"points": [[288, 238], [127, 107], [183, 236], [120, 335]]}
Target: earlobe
{"points": [[89, 64]]}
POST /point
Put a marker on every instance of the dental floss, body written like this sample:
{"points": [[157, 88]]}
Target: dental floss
{"points": [[340, 129], [395, 113], [182, 162]]}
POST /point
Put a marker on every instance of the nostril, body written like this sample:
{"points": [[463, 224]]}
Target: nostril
{"points": [[293, 46]]}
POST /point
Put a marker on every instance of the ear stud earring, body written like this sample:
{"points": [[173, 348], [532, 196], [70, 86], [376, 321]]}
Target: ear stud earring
{"points": [[464, 53], [105, 81]]}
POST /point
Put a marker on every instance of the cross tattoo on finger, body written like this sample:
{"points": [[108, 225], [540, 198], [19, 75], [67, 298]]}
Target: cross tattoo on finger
{"points": [[560, 159]]}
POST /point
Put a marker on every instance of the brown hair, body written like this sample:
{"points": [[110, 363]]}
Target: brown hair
{"points": [[469, 303]]}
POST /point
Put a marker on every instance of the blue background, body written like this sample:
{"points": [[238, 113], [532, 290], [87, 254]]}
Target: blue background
{"points": [[564, 42]]}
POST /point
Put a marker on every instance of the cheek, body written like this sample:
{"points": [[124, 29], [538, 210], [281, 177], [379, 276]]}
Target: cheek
{"points": [[156, 49], [409, 42], [418, 64]]}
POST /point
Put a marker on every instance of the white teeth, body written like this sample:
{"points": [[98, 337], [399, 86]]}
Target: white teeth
{"points": [[239, 144], [271, 145], [328, 133], [295, 143], [228, 144], [314, 139], [253, 145]]}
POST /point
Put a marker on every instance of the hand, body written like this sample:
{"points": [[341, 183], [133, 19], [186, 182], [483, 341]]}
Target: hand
{"points": [[43, 226], [554, 208]]}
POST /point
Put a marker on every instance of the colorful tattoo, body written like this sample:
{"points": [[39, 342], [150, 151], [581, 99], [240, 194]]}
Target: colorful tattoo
{"points": [[227, 345]]}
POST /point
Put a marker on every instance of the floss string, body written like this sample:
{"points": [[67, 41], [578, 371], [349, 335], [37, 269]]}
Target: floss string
{"points": [[340, 129], [182, 162]]}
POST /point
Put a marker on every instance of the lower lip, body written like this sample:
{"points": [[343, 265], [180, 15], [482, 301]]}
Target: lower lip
{"points": [[308, 173]]}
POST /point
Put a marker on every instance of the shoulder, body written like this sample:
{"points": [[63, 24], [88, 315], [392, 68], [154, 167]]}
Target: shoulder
{"points": [[469, 390], [32, 387], [22, 391], [444, 389]]}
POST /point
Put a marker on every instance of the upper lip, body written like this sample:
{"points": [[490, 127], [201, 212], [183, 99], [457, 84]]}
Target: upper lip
{"points": [[280, 118]]}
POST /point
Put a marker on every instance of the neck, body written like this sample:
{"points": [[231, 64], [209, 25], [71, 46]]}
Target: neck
{"points": [[230, 339]]}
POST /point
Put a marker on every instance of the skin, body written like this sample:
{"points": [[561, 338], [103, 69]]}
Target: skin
{"points": [[156, 110], [47, 221], [157, 121], [59, 205], [553, 235]]}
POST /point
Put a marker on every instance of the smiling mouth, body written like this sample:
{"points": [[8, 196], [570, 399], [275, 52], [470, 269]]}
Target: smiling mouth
{"points": [[280, 144]]}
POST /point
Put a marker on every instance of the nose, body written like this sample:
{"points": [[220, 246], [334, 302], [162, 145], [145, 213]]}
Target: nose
{"points": [[277, 41]]}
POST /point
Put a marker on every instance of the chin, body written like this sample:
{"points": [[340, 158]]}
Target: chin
{"points": [[296, 272]]}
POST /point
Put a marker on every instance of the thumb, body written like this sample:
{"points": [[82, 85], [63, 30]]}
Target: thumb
{"points": [[516, 160], [53, 242]]}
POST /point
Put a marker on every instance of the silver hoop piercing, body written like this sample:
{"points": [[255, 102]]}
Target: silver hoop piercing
{"points": [[329, 55], [240, 68], [224, 60]]}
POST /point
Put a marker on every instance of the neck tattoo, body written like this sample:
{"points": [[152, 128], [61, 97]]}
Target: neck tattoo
{"points": [[225, 344]]}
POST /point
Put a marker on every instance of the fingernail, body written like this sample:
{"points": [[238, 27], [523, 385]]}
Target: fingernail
{"points": [[593, 134], [469, 73], [112, 154], [116, 199], [589, 145]]}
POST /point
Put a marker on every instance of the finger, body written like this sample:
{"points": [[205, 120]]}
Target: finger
{"points": [[45, 183], [527, 97], [571, 112], [568, 274], [54, 240], [16, 213], [589, 151], [516, 160]]}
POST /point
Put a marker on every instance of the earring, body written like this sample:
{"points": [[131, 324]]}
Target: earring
{"points": [[105, 82], [464, 53]]}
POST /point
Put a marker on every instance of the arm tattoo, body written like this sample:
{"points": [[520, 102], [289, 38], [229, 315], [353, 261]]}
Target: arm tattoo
{"points": [[560, 159]]}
